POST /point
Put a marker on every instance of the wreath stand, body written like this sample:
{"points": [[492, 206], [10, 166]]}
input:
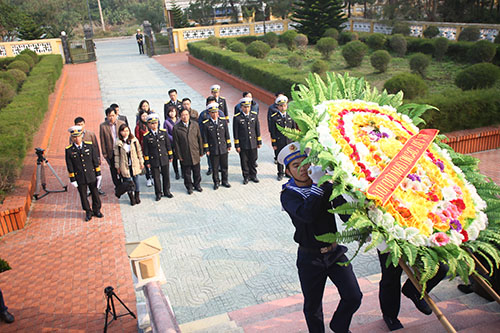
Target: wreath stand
{"points": [[440, 316]]}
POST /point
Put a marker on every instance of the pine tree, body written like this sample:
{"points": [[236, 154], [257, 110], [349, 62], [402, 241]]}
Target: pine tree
{"points": [[178, 16], [313, 17], [29, 29]]}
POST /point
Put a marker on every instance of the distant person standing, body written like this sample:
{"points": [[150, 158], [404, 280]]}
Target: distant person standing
{"points": [[172, 93], [186, 105], [168, 125], [215, 91], [108, 134], [247, 139], [140, 41], [189, 147], [123, 118], [253, 107], [204, 115]]}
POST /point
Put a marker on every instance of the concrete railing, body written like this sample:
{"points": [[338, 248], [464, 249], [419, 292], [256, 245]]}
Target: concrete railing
{"points": [[40, 46], [161, 316]]}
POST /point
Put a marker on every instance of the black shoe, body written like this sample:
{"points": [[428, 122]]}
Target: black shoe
{"points": [[137, 197], [6, 317], [101, 192], [393, 323], [131, 197], [226, 184], [99, 215], [168, 194], [158, 197], [88, 216], [254, 179], [465, 288], [177, 176], [331, 327], [216, 186], [280, 177], [245, 181], [190, 191], [209, 172], [256, 165], [199, 189], [420, 304]]}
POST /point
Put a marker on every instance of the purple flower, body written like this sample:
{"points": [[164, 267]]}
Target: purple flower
{"points": [[414, 177], [385, 135], [440, 164], [455, 225]]}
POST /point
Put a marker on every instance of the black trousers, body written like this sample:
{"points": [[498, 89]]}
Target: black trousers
{"points": [[314, 269], [248, 158], [164, 171], [148, 172], [188, 181], [96, 200], [219, 161], [281, 168], [389, 293], [141, 48], [3, 307], [209, 163], [115, 177]]}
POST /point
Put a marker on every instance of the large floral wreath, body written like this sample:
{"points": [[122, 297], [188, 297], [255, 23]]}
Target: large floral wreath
{"points": [[441, 210]]}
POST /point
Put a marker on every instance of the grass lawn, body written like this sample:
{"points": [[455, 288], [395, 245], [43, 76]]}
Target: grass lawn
{"points": [[440, 76]]}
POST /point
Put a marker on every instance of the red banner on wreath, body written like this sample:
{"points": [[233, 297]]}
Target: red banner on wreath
{"points": [[400, 166]]}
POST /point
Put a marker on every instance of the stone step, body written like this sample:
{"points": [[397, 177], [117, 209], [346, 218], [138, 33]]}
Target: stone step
{"points": [[220, 323]]}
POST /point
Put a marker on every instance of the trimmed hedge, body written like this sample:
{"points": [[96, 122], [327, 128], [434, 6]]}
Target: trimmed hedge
{"points": [[470, 34], [419, 63], [401, 28], [30, 104], [460, 110], [27, 59], [478, 76], [354, 52], [258, 49], [4, 62], [326, 45], [19, 64], [271, 38], [482, 51], [9, 78], [412, 85], [237, 47], [17, 74], [271, 76], [295, 61], [431, 31], [380, 60], [7, 93], [319, 67], [399, 45], [376, 41]]}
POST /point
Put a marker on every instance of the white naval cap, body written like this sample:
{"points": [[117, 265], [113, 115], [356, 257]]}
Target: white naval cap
{"points": [[281, 99], [246, 101], [75, 130], [213, 107], [153, 118], [289, 153], [215, 87]]}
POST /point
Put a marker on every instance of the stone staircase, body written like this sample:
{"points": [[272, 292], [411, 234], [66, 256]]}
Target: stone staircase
{"points": [[467, 313]]}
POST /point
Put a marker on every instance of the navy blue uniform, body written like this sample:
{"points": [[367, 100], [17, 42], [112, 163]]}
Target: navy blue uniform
{"points": [[222, 106], [216, 140], [278, 139], [316, 261], [157, 153], [246, 133]]}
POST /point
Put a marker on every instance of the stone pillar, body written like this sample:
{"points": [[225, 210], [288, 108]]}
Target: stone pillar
{"points": [[148, 32], [65, 46], [170, 32], [89, 42]]}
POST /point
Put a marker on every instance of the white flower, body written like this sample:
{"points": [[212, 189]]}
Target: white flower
{"points": [[419, 240], [448, 193], [325, 137], [456, 237], [376, 215], [482, 221], [321, 108], [473, 231], [411, 232], [362, 150], [345, 163]]}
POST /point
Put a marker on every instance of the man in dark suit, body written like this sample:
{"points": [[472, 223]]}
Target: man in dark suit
{"points": [[189, 147], [84, 171], [215, 91], [216, 144], [253, 107], [140, 41], [247, 139], [157, 155], [108, 134], [172, 93], [123, 118], [278, 139]]}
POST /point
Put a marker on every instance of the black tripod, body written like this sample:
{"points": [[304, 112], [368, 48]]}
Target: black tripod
{"points": [[110, 307], [40, 175]]}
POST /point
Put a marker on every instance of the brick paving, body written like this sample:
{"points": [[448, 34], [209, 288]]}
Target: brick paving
{"points": [[61, 264], [490, 164]]}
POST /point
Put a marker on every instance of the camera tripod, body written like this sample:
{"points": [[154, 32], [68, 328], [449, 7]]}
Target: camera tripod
{"points": [[110, 307], [40, 176]]}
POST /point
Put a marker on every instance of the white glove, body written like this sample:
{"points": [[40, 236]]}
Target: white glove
{"points": [[315, 173], [75, 184], [99, 178]]}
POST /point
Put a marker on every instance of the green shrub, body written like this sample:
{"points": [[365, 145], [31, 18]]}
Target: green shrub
{"points": [[288, 38], [301, 40], [478, 76], [7, 93], [19, 64], [469, 34], [17, 74], [497, 39], [212, 40], [401, 28], [460, 110], [295, 61], [380, 60], [27, 59], [482, 51], [4, 62], [32, 54], [428, 47], [9, 78], [326, 45], [412, 85], [319, 66], [346, 37], [431, 31], [331, 32], [419, 63], [376, 41], [354, 52], [398, 44], [227, 41], [258, 49], [247, 39], [4, 265], [441, 46], [271, 38], [459, 51], [237, 47]]}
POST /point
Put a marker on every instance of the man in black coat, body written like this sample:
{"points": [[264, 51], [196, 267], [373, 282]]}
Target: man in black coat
{"points": [[84, 171], [247, 139], [216, 144], [270, 110], [307, 204], [172, 93], [157, 155], [140, 41], [278, 139]]}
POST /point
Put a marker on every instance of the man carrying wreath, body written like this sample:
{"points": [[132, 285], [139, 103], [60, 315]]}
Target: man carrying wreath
{"points": [[308, 205]]}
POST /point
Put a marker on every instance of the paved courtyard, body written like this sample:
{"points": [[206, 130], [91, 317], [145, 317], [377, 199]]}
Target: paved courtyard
{"points": [[222, 250]]}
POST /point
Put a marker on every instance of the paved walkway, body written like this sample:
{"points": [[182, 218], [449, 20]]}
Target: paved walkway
{"points": [[60, 264]]}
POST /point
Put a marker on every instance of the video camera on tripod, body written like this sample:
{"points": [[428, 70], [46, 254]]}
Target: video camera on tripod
{"points": [[41, 161]]}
